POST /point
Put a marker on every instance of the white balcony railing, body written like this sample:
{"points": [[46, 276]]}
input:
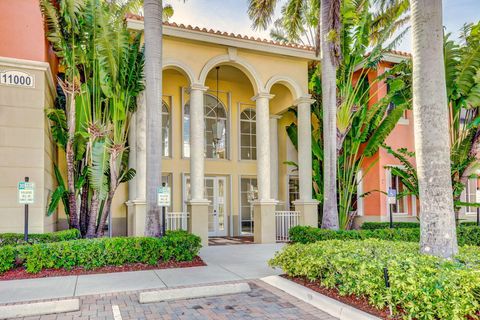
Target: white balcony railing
{"points": [[177, 220], [284, 220]]}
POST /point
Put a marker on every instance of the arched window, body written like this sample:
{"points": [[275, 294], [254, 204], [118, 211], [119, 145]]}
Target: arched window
{"points": [[165, 130], [248, 135], [215, 119], [215, 128]]}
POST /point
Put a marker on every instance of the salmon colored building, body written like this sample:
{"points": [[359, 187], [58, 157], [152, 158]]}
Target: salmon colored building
{"points": [[229, 182]]}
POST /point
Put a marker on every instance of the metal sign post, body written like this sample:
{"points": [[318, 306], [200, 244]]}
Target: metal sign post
{"points": [[163, 200], [26, 196], [392, 200]]}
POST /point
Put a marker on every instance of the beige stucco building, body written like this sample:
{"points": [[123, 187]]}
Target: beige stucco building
{"points": [[225, 109]]}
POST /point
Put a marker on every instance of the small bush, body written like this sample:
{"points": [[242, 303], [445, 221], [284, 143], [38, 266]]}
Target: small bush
{"points": [[7, 258], [95, 253], [386, 225], [180, 246], [466, 235], [424, 287], [401, 225], [16, 239]]}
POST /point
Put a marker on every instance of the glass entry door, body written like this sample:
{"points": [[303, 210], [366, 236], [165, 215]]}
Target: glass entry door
{"points": [[216, 193]]}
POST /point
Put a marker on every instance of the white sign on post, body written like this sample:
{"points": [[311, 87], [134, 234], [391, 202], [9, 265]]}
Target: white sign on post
{"points": [[392, 196], [163, 196], [26, 192]]}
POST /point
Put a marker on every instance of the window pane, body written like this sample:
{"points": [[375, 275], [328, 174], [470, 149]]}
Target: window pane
{"points": [[247, 135]]}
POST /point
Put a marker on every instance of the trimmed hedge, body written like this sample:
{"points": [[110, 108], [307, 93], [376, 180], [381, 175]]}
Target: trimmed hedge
{"points": [[466, 235], [424, 287], [96, 253], [16, 239], [386, 225], [398, 225]]}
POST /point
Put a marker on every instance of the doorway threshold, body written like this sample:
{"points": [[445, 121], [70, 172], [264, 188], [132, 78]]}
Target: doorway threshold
{"points": [[225, 241]]}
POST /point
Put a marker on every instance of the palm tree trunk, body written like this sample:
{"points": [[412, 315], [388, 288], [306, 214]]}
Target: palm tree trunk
{"points": [[70, 159], [84, 209], [153, 76], [329, 92], [92, 221], [437, 220], [105, 213]]}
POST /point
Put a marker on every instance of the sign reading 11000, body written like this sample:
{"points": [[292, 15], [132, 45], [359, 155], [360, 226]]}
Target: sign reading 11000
{"points": [[17, 78]]}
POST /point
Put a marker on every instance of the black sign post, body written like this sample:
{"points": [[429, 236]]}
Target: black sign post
{"points": [[164, 220], [478, 216], [25, 230]]}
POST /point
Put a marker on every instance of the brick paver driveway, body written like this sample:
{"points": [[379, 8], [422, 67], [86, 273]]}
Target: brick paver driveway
{"points": [[263, 302]]}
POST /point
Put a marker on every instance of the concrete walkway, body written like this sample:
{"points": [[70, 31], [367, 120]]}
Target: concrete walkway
{"points": [[224, 263]]}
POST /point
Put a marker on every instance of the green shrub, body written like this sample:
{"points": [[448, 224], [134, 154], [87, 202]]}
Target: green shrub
{"points": [[425, 287], [180, 246], [7, 258], [95, 253], [398, 225], [15, 239], [386, 225], [466, 235], [304, 234]]}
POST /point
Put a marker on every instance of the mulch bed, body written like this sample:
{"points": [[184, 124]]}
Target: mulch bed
{"points": [[360, 303], [20, 273]]}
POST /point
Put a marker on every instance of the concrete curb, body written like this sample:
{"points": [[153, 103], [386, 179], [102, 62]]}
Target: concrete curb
{"points": [[39, 308], [331, 306], [193, 292]]}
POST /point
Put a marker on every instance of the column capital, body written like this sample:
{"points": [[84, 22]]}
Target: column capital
{"points": [[304, 99], [262, 95], [197, 86], [275, 116]]}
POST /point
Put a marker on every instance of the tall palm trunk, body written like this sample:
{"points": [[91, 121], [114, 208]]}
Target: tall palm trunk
{"points": [[437, 220], [69, 90], [92, 221], [329, 19], [153, 76]]}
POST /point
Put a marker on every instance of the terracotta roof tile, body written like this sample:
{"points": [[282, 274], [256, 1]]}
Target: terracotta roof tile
{"points": [[231, 35]]}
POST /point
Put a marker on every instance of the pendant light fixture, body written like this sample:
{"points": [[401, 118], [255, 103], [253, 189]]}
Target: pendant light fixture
{"points": [[218, 127]]}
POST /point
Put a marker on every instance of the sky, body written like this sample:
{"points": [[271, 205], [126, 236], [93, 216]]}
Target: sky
{"points": [[231, 16]]}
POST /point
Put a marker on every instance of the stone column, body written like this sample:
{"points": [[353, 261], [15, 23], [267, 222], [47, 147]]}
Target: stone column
{"points": [[197, 205], [306, 205], [263, 144], [136, 205], [197, 143], [274, 156], [264, 207]]}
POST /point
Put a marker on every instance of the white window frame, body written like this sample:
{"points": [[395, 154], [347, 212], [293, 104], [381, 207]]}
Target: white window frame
{"points": [[388, 179], [227, 107], [240, 177], [168, 100], [403, 119], [242, 107], [296, 177], [359, 181], [466, 197]]}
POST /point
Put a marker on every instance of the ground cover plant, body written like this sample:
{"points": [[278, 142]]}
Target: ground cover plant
{"points": [[97, 253], [466, 235], [421, 286]]}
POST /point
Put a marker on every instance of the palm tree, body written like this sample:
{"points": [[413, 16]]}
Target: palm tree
{"points": [[153, 76], [437, 220], [328, 29], [331, 55], [64, 33]]}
